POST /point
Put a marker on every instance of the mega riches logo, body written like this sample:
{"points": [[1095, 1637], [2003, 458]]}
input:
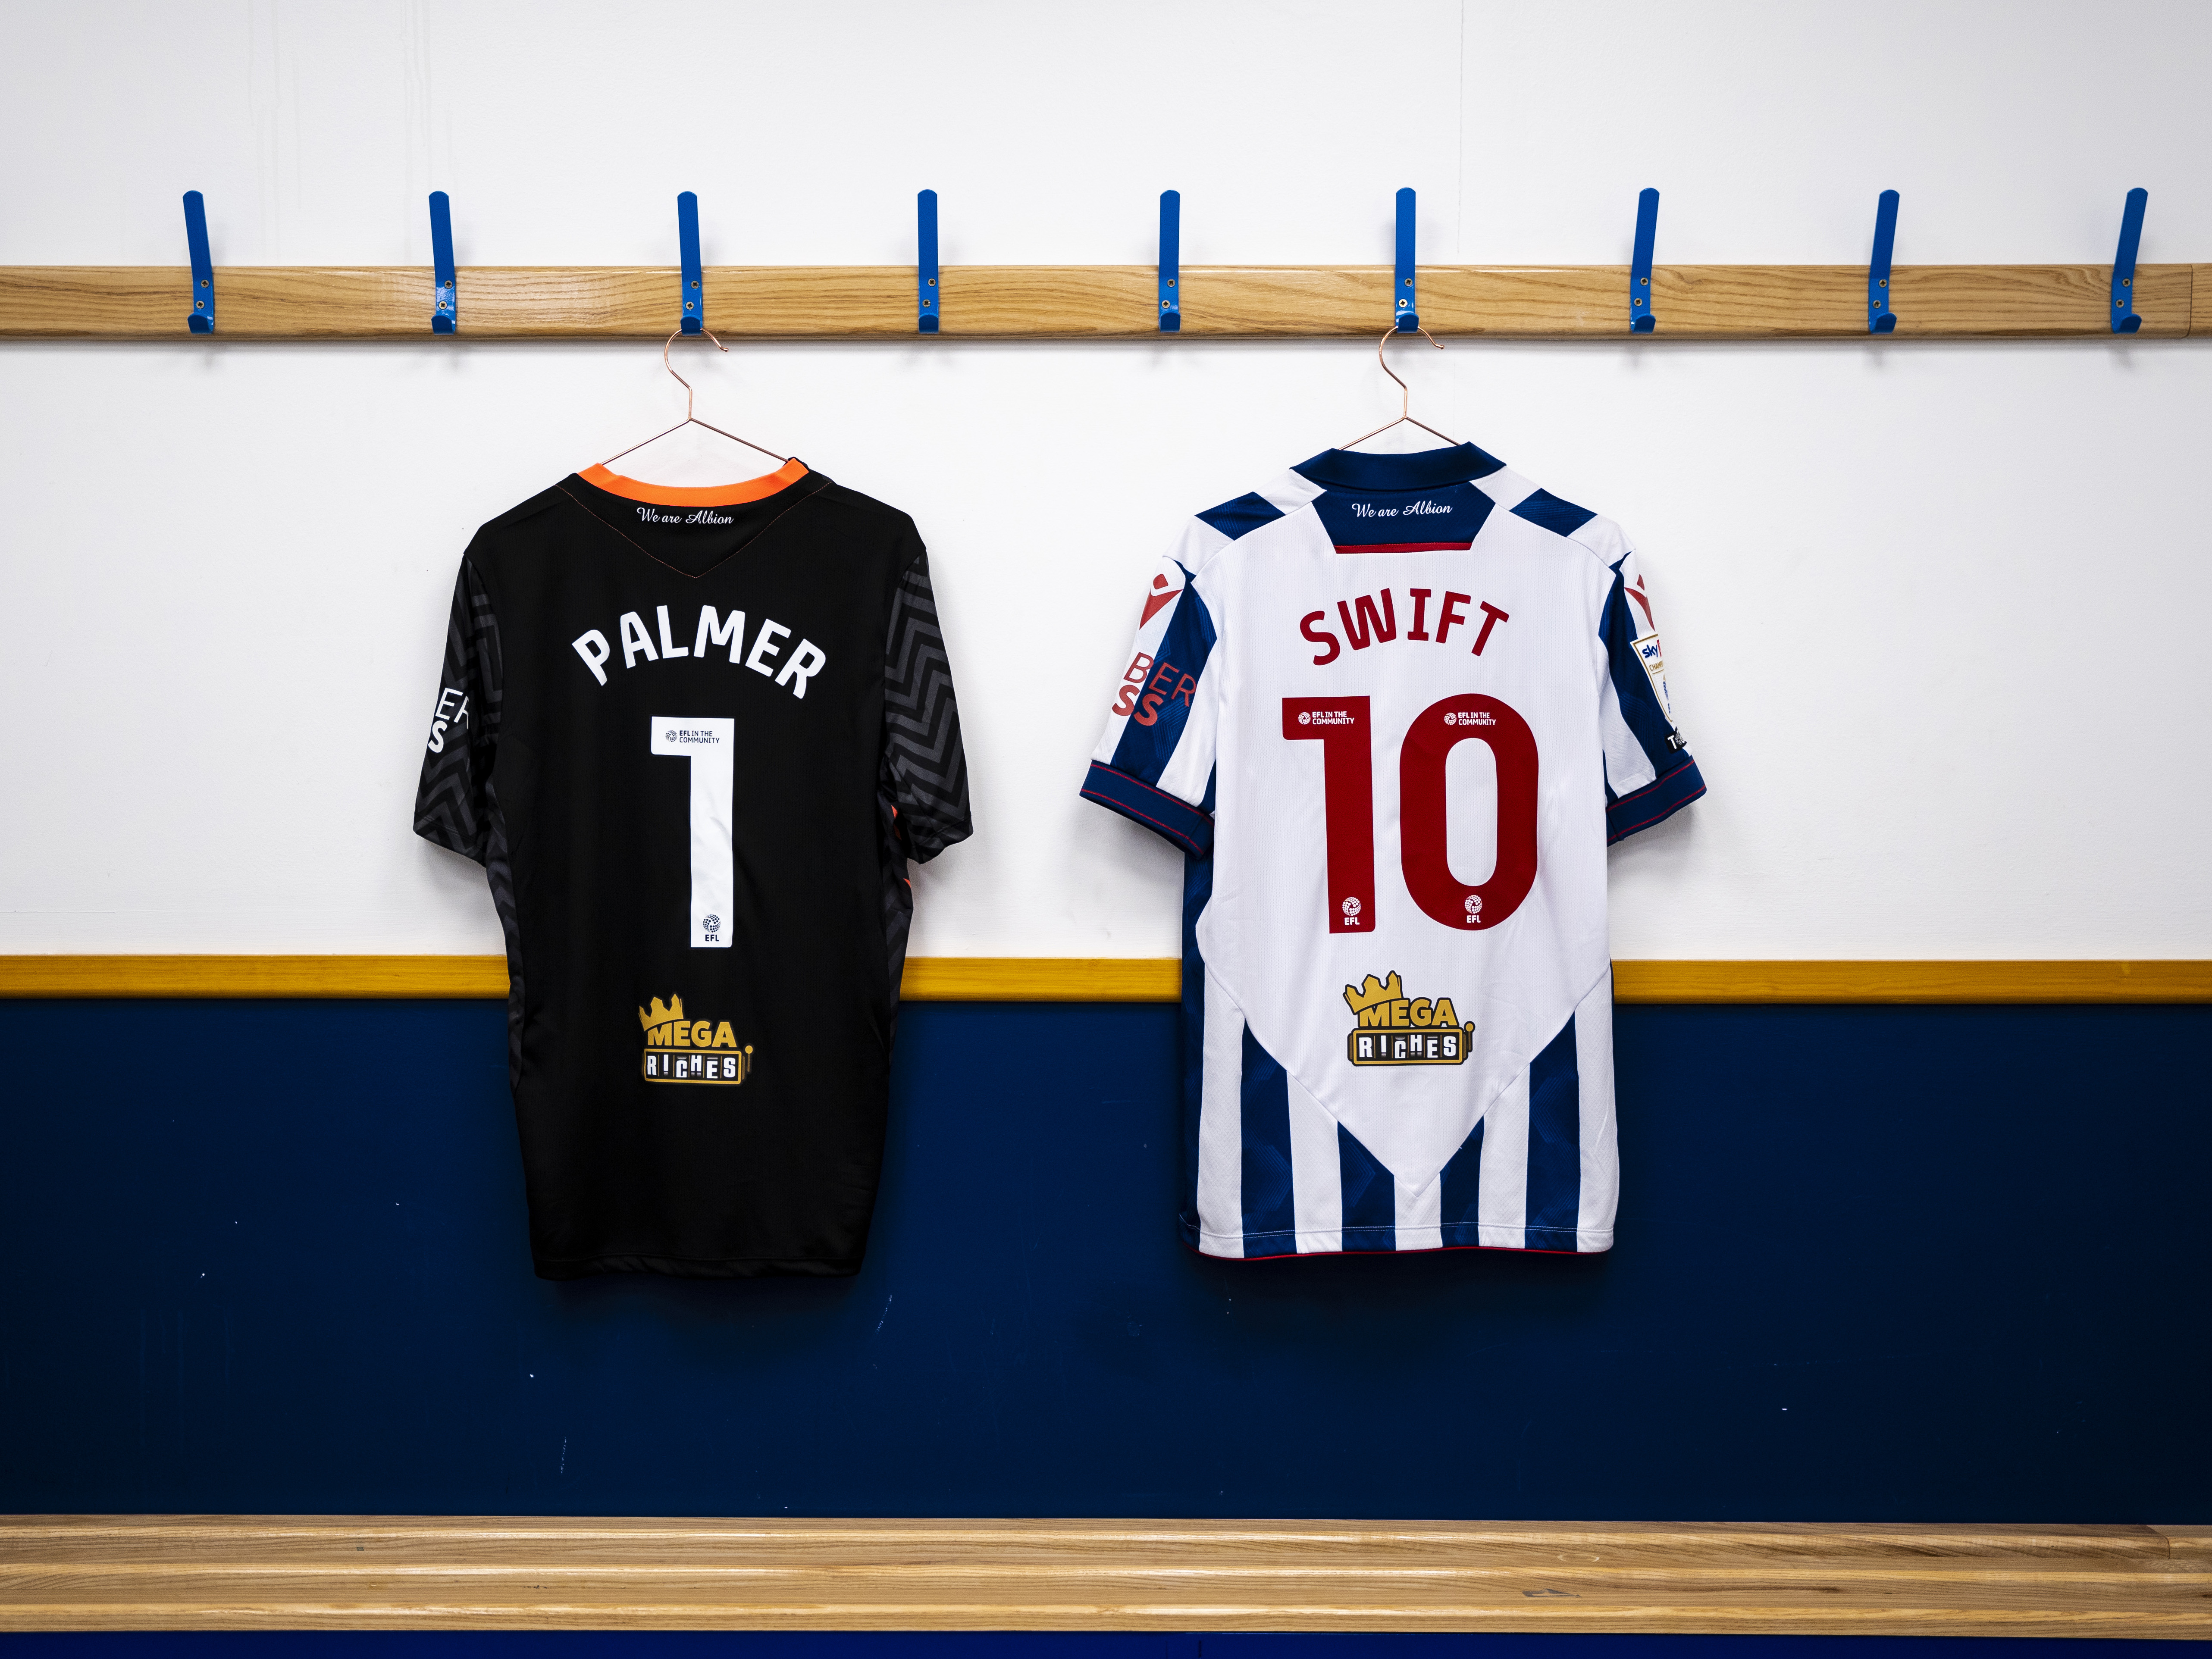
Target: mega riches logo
{"points": [[1396, 1029], [682, 1050]]}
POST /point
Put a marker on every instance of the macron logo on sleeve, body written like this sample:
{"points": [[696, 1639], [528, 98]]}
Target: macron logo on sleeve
{"points": [[1159, 597]]}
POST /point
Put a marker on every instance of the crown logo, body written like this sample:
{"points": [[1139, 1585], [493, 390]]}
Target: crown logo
{"points": [[1396, 1029], [662, 1013], [1375, 993]]}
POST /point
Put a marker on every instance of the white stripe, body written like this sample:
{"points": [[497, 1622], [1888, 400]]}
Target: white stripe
{"points": [[1502, 1203], [1627, 768], [1191, 762], [1420, 1215], [709, 743], [1221, 1126], [1288, 493], [1506, 487], [1601, 1157], [1316, 1178]]}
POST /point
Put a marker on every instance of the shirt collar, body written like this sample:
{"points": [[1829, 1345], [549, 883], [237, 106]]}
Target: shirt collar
{"points": [[1427, 468]]}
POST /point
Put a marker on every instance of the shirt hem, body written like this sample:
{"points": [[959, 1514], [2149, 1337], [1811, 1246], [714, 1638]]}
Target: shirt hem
{"points": [[1382, 1241], [1168, 815], [1655, 802]]}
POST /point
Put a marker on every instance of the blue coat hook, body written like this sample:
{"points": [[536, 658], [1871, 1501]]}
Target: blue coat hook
{"points": [[446, 311], [687, 237], [2125, 320], [1881, 319], [924, 274], [1640, 320], [1408, 309], [202, 321], [1170, 260]]}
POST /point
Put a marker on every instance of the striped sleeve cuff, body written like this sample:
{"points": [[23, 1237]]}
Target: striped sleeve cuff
{"points": [[1157, 810], [1659, 799]]}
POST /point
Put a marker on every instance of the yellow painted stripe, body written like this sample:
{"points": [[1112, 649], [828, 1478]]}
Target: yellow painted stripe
{"points": [[1124, 979]]}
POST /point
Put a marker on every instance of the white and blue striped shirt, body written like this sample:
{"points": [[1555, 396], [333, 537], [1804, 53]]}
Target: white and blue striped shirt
{"points": [[1351, 690]]}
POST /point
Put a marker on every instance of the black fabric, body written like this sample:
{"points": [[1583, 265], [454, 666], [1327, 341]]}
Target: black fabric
{"points": [[574, 647]]}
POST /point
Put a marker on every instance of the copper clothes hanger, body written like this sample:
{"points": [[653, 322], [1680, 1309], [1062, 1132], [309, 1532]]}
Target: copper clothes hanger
{"points": [[689, 419], [1405, 409]]}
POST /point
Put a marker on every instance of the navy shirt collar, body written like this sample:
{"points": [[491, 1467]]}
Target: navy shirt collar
{"points": [[1427, 468]]}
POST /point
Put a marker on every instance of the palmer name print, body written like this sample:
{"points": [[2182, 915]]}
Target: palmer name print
{"points": [[696, 737]]}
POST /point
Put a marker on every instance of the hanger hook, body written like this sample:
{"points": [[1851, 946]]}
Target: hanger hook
{"points": [[1406, 404], [719, 346]]}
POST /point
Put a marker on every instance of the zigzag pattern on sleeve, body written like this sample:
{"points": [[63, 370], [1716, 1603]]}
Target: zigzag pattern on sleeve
{"points": [[925, 773]]}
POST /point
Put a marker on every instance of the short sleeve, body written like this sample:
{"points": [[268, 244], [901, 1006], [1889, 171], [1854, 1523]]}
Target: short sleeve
{"points": [[1154, 765], [1648, 774], [924, 772], [452, 801]]}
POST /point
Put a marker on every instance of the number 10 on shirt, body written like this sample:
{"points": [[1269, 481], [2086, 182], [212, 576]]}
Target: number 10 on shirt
{"points": [[709, 743], [1343, 727]]}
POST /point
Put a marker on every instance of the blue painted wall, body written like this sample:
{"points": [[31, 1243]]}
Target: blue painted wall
{"points": [[1895, 1264]]}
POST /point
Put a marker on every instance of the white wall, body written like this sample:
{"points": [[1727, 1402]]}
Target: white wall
{"points": [[1932, 612]]}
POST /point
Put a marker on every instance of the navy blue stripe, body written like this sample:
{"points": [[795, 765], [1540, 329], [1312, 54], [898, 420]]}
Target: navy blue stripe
{"points": [[1541, 506], [1462, 1195], [1242, 516], [1370, 1196], [1555, 1148], [1425, 469], [1656, 801], [1640, 704], [1144, 750], [1157, 810], [1270, 1215], [1197, 889]]}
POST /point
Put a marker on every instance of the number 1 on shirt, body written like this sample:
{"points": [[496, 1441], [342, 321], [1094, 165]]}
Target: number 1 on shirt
{"points": [[709, 743]]}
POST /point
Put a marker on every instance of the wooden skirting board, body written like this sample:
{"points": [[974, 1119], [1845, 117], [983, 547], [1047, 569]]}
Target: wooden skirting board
{"points": [[1123, 979], [220, 1573], [1690, 302]]}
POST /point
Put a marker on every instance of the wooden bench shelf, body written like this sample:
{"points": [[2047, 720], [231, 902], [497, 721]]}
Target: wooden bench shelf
{"points": [[1692, 302], [241, 1572]]}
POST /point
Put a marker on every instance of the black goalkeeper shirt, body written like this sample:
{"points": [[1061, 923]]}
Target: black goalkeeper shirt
{"points": [[694, 736]]}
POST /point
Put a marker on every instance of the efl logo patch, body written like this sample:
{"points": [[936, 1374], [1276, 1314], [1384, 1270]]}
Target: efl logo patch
{"points": [[1395, 1030], [681, 1050]]}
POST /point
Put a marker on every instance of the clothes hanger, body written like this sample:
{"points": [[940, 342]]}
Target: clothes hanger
{"points": [[1405, 409], [689, 419]]}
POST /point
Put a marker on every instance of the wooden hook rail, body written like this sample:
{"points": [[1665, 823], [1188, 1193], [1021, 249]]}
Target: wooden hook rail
{"points": [[1690, 302]]}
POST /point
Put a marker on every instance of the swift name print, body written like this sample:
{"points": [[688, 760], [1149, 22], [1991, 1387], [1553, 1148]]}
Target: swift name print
{"points": [[1396, 1029], [1367, 623], [681, 1050], [800, 664]]}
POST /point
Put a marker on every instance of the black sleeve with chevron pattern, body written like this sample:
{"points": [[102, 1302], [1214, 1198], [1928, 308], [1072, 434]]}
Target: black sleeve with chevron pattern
{"points": [[924, 774], [452, 802]]}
